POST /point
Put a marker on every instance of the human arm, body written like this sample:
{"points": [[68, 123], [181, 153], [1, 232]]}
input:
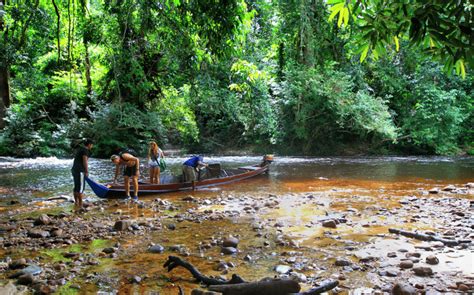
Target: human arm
{"points": [[85, 163], [117, 169]]}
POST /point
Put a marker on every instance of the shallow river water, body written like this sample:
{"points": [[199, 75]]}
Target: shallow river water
{"points": [[277, 218]]}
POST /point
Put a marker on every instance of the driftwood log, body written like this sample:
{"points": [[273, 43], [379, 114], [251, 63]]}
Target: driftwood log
{"points": [[237, 286], [423, 237]]}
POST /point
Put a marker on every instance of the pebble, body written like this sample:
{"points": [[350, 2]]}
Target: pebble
{"points": [[342, 262], [25, 279], [423, 271], [433, 260], [156, 249], [282, 269], [228, 250], [230, 242], [405, 264], [403, 289], [330, 223]]}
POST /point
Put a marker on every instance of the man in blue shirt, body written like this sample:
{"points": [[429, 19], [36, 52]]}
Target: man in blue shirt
{"points": [[191, 166]]}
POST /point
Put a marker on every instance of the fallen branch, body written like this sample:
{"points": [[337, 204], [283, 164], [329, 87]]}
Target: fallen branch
{"points": [[237, 286], [263, 287], [423, 237], [174, 262]]}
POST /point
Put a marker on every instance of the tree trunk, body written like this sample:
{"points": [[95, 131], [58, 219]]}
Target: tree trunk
{"points": [[4, 94], [87, 64]]}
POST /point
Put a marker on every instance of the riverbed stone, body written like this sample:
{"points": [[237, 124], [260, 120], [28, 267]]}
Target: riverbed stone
{"points": [[122, 225], [423, 271], [282, 269], [228, 250], [342, 262], [19, 263], [25, 279], [434, 190], [448, 188], [38, 234], [463, 287], [391, 254], [42, 220], [403, 289], [156, 249], [231, 242], [405, 264], [433, 260], [330, 223]]}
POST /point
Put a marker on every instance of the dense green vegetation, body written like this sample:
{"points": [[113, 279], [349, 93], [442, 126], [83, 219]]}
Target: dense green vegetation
{"points": [[220, 75]]}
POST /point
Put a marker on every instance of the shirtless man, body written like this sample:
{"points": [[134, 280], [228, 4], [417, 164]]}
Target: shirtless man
{"points": [[131, 169]]}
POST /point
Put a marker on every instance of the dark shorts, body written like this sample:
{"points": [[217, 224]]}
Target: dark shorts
{"points": [[79, 181], [130, 171]]}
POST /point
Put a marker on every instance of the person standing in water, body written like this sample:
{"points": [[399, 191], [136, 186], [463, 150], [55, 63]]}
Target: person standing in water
{"points": [[131, 169], [80, 170], [155, 154]]}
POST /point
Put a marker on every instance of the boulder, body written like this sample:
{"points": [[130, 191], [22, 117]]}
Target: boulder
{"points": [[122, 225], [330, 223], [156, 249]]}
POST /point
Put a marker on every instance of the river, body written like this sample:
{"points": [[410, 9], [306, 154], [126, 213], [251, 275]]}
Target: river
{"points": [[371, 194]]}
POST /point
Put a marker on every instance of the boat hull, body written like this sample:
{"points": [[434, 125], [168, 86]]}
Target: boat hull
{"points": [[118, 190]]}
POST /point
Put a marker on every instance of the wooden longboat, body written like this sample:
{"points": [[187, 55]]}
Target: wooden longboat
{"points": [[172, 184]]}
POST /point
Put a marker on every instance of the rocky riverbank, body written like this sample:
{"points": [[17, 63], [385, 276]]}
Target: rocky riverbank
{"points": [[336, 234]]}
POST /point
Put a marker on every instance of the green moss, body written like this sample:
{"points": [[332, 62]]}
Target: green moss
{"points": [[67, 290], [55, 255], [98, 245]]}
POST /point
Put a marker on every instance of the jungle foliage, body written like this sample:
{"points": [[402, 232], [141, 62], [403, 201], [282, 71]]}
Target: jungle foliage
{"points": [[297, 77]]}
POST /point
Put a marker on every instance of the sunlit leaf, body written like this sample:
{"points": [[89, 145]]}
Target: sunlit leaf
{"points": [[364, 53], [397, 43]]}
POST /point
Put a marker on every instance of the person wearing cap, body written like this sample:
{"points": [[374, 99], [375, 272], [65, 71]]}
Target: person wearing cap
{"points": [[131, 169], [80, 170], [191, 166]]}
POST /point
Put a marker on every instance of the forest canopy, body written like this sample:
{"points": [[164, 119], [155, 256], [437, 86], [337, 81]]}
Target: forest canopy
{"points": [[294, 77]]}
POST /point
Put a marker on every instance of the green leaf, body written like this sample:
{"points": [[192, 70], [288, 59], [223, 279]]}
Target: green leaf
{"points": [[364, 52], [397, 43]]}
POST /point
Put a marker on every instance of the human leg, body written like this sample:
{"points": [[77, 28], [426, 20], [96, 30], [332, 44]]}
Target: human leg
{"points": [[157, 176], [152, 176], [126, 180], [135, 186]]}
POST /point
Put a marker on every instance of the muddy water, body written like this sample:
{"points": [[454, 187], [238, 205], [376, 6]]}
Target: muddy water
{"points": [[277, 218]]}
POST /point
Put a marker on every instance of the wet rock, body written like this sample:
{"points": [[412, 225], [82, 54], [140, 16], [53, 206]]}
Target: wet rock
{"points": [[228, 250], [73, 255], [434, 190], [299, 277], [413, 254], [403, 289], [42, 220], [405, 264], [108, 250], [433, 260], [189, 199], [26, 279], [10, 288], [156, 249], [57, 232], [367, 259], [342, 262], [330, 223], [38, 234], [221, 266], [388, 273], [230, 242], [449, 188], [171, 226], [43, 289], [19, 263], [391, 254], [423, 271], [248, 258], [135, 279], [282, 269], [122, 225], [463, 288]]}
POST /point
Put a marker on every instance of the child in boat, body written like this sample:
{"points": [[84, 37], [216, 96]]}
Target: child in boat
{"points": [[191, 166], [131, 169], [80, 170], [155, 154]]}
